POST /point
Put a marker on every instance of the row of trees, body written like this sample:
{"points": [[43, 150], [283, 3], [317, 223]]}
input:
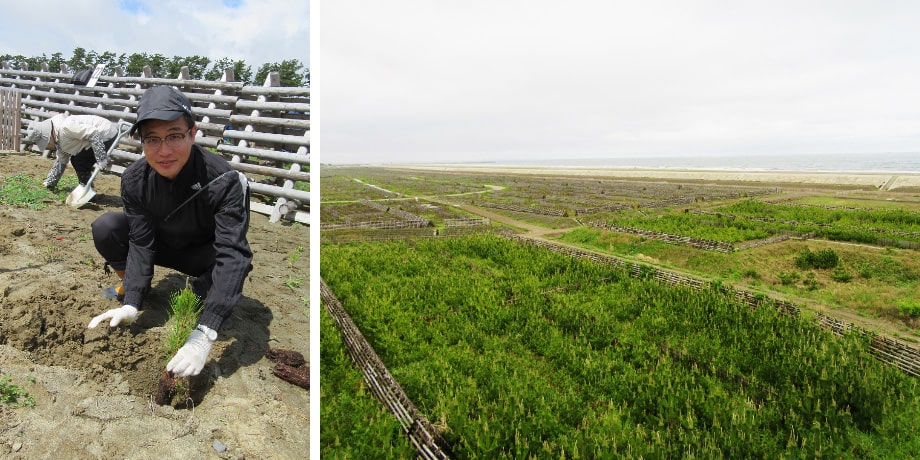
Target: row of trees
{"points": [[291, 71]]}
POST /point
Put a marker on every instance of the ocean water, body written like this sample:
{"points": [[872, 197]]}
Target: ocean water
{"points": [[901, 162]]}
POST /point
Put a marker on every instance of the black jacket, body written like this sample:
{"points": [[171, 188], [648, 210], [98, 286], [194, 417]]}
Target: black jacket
{"points": [[218, 216]]}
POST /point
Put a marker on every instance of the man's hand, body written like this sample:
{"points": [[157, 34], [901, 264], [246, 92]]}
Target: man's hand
{"points": [[123, 315], [190, 359]]}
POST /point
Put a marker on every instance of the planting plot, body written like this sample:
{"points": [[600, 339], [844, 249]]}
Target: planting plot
{"points": [[880, 279], [513, 352], [356, 424], [858, 201], [703, 226], [883, 226], [93, 388], [349, 183], [583, 196]]}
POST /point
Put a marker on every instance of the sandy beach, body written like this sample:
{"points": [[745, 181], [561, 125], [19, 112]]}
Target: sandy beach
{"points": [[871, 180]]}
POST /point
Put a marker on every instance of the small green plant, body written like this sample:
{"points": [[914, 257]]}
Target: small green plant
{"points": [[811, 282], [909, 308], [864, 269], [13, 395], [788, 279], [294, 256], [841, 275], [53, 253], [185, 308], [293, 283], [751, 273]]}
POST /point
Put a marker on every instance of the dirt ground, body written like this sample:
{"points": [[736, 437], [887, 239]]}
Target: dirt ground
{"points": [[94, 389]]}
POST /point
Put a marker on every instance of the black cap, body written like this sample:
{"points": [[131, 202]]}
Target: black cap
{"points": [[161, 103]]}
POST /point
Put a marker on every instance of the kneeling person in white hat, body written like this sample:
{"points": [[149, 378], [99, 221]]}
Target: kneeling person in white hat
{"points": [[82, 140]]}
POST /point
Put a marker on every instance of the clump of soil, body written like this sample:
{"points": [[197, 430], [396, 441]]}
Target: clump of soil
{"points": [[180, 392], [290, 366], [288, 357]]}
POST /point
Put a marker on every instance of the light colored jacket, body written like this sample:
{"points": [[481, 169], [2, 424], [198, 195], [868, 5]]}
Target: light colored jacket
{"points": [[76, 131], [76, 134]]}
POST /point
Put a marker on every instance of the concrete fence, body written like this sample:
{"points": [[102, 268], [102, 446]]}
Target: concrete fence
{"points": [[263, 131]]}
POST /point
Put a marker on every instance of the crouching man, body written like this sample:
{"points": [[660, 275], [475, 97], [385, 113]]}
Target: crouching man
{"points": [[185, 209]]}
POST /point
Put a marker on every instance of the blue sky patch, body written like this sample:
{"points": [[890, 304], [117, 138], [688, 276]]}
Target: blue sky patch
{"points": [[135, 7]]}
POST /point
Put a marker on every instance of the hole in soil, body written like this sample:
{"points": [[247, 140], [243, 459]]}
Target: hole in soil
{"points": [[40, 316], [50, 323]]}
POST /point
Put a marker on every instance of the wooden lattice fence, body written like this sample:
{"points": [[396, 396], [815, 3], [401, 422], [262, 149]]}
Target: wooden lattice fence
{"points": [[427, 440], [9, 119], [262, 130], [698, 243]]}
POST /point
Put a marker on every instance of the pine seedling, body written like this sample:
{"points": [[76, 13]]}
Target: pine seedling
{"points": [[185, 308]]}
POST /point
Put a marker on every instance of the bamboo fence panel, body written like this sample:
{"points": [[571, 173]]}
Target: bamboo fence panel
{"points": [[427, 440], [10, 123]]}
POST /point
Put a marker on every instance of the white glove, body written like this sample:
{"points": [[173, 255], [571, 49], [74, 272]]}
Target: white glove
{"points": [[190, 359], [122, 315]]}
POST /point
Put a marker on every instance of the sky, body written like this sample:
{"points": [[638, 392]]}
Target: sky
{"points": [[477, 80], [257, 31]]}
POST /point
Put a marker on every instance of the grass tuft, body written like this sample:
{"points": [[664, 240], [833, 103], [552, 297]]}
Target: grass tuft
{"points": [[23, 191], [13, 395]]}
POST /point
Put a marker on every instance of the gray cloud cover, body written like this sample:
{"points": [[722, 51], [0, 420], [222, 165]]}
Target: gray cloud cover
{"points": [[450, 81]]}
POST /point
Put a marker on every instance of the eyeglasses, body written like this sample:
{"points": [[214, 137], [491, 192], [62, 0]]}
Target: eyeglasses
{"points": [[173, 140]]}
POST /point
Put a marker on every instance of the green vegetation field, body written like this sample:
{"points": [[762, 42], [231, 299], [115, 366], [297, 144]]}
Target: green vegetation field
{"points": [[516, 352], [871, 281], [753, 219]]}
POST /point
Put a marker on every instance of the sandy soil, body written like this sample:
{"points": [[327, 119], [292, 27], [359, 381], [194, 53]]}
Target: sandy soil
{"points": [[93, 388], [867, 180]]}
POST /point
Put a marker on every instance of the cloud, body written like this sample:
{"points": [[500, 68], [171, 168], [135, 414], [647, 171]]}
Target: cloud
{"points": [[408, 80], [258, 32]]}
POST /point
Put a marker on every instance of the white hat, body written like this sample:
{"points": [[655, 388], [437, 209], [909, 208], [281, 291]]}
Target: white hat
{"points": [[39, 133]]}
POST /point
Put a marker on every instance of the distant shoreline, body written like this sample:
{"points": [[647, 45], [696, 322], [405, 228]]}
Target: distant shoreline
{"points": [[874, 180]]}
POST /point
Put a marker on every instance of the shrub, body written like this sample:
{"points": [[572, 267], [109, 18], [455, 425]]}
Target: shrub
{"points": [[841, 275], [865, 269], [788, 279], [811, 282], [824, 258], [909, 308]]}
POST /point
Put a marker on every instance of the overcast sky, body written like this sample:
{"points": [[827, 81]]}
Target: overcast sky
{"points": [[453, 81], [258, 31]]}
